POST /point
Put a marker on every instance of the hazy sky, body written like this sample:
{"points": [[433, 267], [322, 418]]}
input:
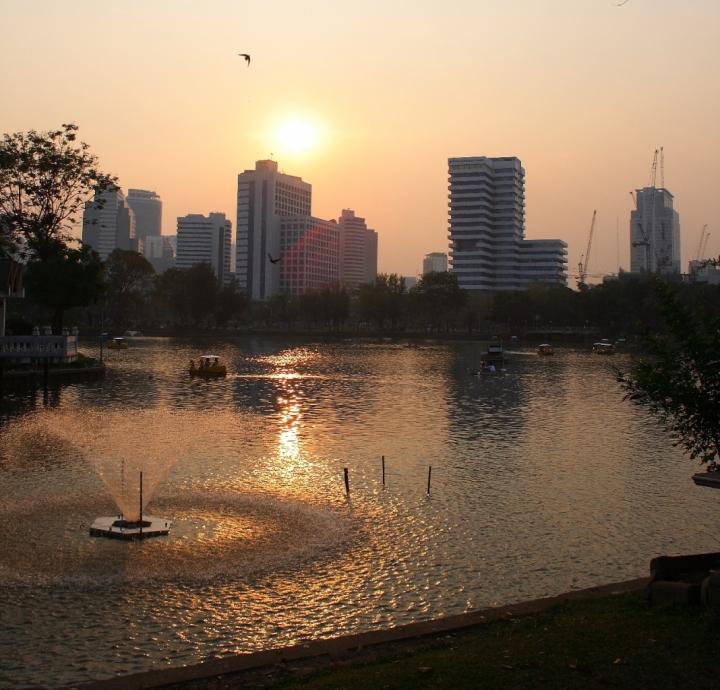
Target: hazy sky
{"points": [[582, 91]]}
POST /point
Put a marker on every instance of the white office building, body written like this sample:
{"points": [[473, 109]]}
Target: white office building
{"points": [[205, 239], [488, 249], [266, 198], [110, 227], [654, 233], [436, 261], [147, 207], [358, 250]]}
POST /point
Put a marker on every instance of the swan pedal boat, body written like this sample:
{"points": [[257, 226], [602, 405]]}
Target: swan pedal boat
{"points": [[209, 366], [117, 344]]}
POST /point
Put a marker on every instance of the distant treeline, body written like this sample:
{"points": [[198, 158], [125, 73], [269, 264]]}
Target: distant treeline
{"points": [[193, 300]]}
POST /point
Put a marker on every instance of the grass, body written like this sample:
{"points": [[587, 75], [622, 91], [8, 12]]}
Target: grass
{"points": [[611, 642]]}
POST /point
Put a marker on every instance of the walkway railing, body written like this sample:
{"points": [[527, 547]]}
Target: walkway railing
{"points": [[56, 349]]}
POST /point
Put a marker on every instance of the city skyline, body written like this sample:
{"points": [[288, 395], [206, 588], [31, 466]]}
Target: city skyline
{"points": [[575, 91]]}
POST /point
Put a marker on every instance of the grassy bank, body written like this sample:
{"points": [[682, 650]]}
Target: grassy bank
{"points": [[610, 642]]}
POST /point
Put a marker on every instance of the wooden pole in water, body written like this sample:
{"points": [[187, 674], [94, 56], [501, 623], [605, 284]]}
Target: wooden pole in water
{"points": [[141, 504], [429, 476], [383, 468], [46, 372], [347, 481]]}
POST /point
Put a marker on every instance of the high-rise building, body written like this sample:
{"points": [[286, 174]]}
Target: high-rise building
{"points": [[110, 227], [266, 198], [159, 251], [654, 233], [436, 261], [310, 254], [208, 239], [488, 249], [371, 255], [147, 208], [358, 250]]}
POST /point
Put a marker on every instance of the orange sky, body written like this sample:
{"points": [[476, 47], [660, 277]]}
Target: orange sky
{"points": [[581, 91]]}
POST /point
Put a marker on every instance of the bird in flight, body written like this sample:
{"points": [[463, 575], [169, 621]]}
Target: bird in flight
{"points": [[246, 56], [274, 261]]}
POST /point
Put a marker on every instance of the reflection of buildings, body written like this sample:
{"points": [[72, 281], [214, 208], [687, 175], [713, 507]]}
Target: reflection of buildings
{"points": [[110, 227], [205, 239], [281, 247], [654, 233], [488, 249], [436, 261]]}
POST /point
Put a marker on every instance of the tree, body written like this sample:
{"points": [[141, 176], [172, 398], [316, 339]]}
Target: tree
{"points": [[678, 377], [201, 290], [382, 300], [130, 279], [74, 278], [171, 296], [438, 296], [229, 304], [45, 180]]}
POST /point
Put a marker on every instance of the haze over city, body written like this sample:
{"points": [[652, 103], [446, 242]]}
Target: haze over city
{"points": [[382, 94]]}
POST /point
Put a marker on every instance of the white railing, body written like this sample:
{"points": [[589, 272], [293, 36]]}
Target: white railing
{"points": [[59, 349]]}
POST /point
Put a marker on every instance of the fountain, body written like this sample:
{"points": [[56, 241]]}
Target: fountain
{"points": [[130, 524], [132, 469]]}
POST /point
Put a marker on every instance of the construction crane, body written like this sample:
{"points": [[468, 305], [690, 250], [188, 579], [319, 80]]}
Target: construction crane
{"points": [[700, 244], [583, 267], [662, 168], [704, 247]]}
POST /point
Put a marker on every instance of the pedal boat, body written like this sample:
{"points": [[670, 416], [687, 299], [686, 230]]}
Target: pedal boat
{"points": [[209, 366], [117, 344]]}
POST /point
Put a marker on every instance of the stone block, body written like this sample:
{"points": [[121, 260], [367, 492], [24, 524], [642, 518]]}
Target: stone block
{"points": [[669, 593]]}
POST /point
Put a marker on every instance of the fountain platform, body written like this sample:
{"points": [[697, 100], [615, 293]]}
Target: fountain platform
{"points": [[116, 527]]}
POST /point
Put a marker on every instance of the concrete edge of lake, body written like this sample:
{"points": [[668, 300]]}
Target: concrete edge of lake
{"points": [[347, 646]]}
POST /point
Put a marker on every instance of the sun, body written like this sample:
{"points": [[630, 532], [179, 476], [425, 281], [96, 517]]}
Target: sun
{"points": [[296, 136]]}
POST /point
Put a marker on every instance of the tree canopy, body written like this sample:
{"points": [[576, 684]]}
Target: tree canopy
{"points": [[130, 282], [678, 376], [45, 180], [74, 278]]}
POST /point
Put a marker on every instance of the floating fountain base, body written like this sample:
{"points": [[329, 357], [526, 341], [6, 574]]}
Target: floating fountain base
{"points": [[117, 527]]}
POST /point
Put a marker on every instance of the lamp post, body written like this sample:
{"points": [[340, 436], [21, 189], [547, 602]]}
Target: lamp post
{"points": [[102, 325]]}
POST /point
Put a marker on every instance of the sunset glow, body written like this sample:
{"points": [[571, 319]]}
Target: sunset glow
{"points": [[296, 136]]}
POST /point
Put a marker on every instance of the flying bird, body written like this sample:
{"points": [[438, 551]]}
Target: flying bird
{"points": [[621, 4], [274, 261], [247, 57]]}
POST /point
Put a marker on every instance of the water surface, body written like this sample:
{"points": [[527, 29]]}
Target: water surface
{"points": [[543, 480]]}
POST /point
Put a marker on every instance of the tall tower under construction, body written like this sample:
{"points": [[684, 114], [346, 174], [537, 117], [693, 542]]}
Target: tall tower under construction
{"points": [[654, 229]]}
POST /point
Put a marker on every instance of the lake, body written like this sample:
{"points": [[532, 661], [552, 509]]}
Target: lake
{"points": [[543, 480]]}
